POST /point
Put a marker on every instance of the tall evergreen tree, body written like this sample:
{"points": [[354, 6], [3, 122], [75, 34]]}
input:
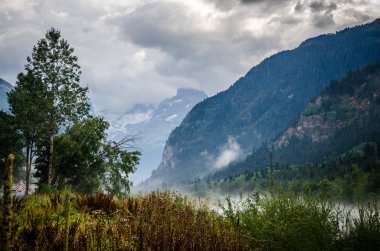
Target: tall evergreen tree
{"points": [[29, 104], [52, 61]]}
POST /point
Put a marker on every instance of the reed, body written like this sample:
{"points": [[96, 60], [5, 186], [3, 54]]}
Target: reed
{"points": [[156, 221], [7, 206]]}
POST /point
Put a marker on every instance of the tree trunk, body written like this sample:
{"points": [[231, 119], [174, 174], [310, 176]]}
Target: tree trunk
{"points": [[27, 170], [50, 168]]}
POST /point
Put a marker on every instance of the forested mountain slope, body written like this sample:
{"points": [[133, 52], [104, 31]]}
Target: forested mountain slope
{"points": [[345, 115], [259, 105]]}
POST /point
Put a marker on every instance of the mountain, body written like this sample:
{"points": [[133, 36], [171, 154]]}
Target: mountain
{"points": [[258, 106], [5, 87], [152, 125], [345, 115]]}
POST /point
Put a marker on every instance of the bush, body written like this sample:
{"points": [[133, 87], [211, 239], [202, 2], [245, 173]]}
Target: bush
{"points": [[286, 221]]}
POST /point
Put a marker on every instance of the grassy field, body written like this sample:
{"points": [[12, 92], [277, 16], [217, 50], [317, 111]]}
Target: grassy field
{"points": [[170, 221], [157, 221]]}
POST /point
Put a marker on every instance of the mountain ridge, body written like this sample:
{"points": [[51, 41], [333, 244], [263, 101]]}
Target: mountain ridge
{"points": [[345, 115], [257, 106]]}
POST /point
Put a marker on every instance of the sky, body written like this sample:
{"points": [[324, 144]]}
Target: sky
{"points": [[135, 51]]}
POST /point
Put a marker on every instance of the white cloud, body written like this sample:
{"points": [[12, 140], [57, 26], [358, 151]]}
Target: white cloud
{"points": [[230, 152], [142, 51]]}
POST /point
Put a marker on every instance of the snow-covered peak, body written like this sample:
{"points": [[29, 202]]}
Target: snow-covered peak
{"points": [[152, 126], [171, 117]]}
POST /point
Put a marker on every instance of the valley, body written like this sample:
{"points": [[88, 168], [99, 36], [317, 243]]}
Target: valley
{"points": [[190, 125]]}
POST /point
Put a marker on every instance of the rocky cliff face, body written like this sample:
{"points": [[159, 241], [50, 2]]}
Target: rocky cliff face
{"points": [[319, 125], [259, 105]]}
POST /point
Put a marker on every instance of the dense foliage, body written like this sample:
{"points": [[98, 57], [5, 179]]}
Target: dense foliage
{"points": [[352, 176], [87, 162], [52, 127], [286, 221], [29, 105]]}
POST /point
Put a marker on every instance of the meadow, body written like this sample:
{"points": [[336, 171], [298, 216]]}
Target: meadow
{"points": [[171, 221]]}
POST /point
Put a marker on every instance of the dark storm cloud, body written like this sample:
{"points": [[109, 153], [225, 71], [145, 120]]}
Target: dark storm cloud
{"points": [[286, 20], [226, 5], [318, 6], [191, 49], [251, 1], [323, 21], [321, 11], [263, 1], [151, 48]]}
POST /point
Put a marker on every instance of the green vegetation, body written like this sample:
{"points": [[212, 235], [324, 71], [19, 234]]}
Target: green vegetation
{"points": [[6, 210], [157, 221], [87, 162], [352, 176], [335, 148], [9, 143], [291, 222], [169, 221], [50, 127]]}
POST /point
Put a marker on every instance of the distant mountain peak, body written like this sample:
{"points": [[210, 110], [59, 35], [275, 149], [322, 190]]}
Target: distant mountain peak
{"points": [[5, 88], [5, 83], [152, 125]]}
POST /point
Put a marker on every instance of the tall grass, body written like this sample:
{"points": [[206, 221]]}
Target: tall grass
{"points": [[287, 221], [170, 221], [157, 221], [6, 209]]}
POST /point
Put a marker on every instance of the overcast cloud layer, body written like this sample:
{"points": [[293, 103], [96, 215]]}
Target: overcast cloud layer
{"points": [[143, 50]]}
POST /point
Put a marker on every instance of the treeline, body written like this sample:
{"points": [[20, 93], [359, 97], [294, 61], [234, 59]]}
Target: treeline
{"points": [[352, 176], [50, 127], [350, 113]]}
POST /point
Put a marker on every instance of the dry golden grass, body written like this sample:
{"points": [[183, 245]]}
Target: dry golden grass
{"points": [[156, 221]]}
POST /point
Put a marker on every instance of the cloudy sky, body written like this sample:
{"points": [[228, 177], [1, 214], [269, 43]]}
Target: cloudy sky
{"points": [[135, 51]]}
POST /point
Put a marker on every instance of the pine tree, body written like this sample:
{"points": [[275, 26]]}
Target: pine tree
{"points": [[29, 106]]}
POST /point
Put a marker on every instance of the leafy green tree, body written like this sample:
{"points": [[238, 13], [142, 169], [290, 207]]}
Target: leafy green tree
{"points": [[47, 101], [28, 103], [87, 162], [78, 160], [119, 164], [52, 61]]}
